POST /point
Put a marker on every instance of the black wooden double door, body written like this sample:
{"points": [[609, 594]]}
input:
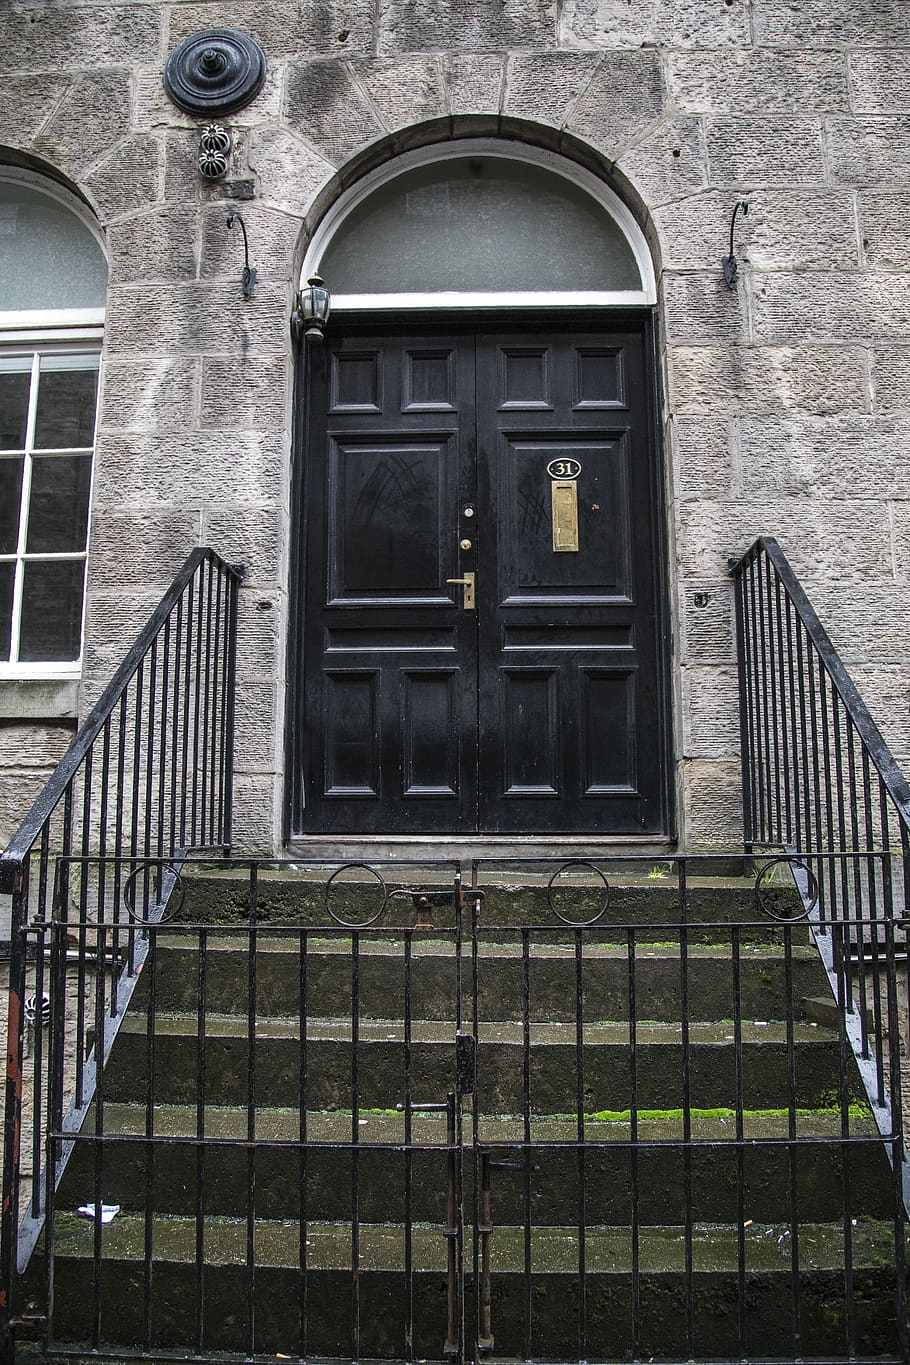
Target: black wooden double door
{"points": [[464, 666]]}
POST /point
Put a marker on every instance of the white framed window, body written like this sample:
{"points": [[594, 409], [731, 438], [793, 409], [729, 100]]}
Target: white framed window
{"points": [[481, 223], [53, 280]]}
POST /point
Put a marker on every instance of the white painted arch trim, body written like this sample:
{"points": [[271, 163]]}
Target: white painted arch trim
{"points": [[608, 200]]}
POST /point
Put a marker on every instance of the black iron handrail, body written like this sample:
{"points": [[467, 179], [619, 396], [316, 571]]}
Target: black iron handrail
{"points": [[148, 777]]}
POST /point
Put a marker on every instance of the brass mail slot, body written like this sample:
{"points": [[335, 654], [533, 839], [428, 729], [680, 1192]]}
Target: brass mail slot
{"points": [[565, 515]]}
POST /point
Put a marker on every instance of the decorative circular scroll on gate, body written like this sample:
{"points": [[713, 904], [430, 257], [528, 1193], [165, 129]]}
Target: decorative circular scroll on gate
{"points": [[574, 889], [343, 894], [214, 72], [153, 874], [781, 897]]}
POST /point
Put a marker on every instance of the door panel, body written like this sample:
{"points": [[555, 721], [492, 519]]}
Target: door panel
{"points": [[541, 710]]}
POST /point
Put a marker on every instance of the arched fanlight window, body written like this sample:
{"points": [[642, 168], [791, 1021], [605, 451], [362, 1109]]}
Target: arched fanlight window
{"points": [[476, 224], [53, 281]]}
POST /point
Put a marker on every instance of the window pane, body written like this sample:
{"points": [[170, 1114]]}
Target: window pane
{"points": [[48, 258], [479, 223], [58, 509], [10, 498], [13, 410], [66, 408], [7, 575], [52, 611]]}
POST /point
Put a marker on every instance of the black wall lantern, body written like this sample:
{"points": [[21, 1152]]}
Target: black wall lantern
{"points": [[309, 318]]}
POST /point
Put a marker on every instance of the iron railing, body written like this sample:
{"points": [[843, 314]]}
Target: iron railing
{"points": [[527, 1109], [820, 782], [147, 777]]}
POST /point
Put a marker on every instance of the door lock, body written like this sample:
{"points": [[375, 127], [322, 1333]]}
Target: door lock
{"points": [[465, 545], [468, 584]]}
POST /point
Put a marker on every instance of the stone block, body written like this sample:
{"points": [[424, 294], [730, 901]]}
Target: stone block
{"points": [[831, 23], [634, 23], [285, 28], [24, 746], [768, 379], [251, 393], [325, 106], [201, 469], [703, 457], [882, 221], [182, 319], [832, 539], [748, 152], [700, 307], [783, 230], [901, 518], [880, 81], [91, 119], [272, 237], [113, 621], [403, 90], [18, 792], [824, 457], [481, 26], [891, 379], [49, 38], [261, 643], [710, 711], [830, 306], [257, 726], [869, 623], [545, 85], [149, 394], [115, 193], [290, 173], [29, 699], [712, 804], [258, 803], [474, 82], [156, 246], [25, 104], [707, 631], [668, 165], [251, 536], [625, 99], [757, 80], [869, 151], [128, 548]]}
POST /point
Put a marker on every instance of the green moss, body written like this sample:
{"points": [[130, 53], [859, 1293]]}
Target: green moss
{"points": [[855, 1111]]}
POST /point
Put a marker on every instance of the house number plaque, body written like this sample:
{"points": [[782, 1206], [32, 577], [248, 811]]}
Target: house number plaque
{"points": [[564, 502]]}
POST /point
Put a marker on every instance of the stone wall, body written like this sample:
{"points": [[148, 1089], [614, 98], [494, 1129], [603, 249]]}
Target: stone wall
{"points": [[786, 401]]}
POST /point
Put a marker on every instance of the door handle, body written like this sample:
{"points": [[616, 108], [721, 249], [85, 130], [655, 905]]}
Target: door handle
{"points": [[468, 584]]}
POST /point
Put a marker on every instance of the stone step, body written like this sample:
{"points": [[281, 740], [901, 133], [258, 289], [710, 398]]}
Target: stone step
{"points": [[283, 1172], [278, 1288], [551, 978], [381, 1062]]}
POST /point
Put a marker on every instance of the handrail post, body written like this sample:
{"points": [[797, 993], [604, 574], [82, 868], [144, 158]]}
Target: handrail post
{"points": [[12, 1126]]}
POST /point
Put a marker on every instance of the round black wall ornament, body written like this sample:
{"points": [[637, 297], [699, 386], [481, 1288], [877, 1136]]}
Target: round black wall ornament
{"points": [[215, 72]]}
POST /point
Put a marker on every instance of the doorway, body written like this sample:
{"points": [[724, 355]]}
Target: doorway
{"points": [[480, 614]]}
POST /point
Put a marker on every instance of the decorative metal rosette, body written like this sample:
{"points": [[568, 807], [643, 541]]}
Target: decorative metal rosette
{"points": [[215, 72], [214, 146]]}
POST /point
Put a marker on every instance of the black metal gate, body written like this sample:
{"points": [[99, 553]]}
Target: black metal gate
{"points": [[549, 1111]]}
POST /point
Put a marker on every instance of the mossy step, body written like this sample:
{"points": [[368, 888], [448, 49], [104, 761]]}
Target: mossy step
{"points": [[319, 1179], [284, 1300], [382, 1058], [384, 976]]}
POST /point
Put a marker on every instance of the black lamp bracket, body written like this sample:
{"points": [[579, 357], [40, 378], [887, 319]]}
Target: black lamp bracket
{"points": [[730, 267], [248, 278]]}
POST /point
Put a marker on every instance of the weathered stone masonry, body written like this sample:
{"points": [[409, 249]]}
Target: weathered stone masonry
{"points": [[786, 402]]}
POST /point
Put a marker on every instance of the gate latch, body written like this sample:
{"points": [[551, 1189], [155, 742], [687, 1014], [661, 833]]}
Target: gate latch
{"points": [[465, 1063]]}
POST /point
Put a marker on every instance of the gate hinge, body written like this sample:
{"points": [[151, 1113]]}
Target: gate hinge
{"points": [[465, 1063]]}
